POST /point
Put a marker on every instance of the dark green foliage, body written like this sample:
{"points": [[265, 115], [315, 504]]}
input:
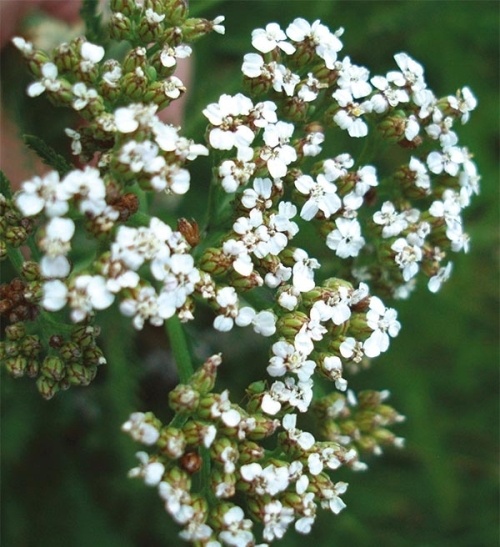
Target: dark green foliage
{"points": [[47, 154]]}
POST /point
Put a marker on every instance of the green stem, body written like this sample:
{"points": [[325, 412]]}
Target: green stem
{"points": [[180, 349], [16, 258]]}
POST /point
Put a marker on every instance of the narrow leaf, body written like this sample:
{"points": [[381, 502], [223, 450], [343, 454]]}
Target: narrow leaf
{"points": [[93, 21], [47, 154]]}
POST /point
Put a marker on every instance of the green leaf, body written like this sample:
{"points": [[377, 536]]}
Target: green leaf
{"points": [[5, 185], [93, 21], [47, 154]]}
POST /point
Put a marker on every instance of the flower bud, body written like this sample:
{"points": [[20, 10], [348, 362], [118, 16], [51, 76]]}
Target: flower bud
{"points": [[31, 345], [127, 7], [178, 478], [264, 427], [11, 349], [215, 262], [16, 235], [191, 462], [195, 28], [250, 452], [53, 367], [16, 366], [190, 230], [198, 433], [176, 11], [70, 352], [295, 110], [245, 283], [47, 387], [289, 324], [93, 356], [120, 26], [64, 58], [135, 58], [393, 127], [203, 380], [30, 271], [184, 399], [78, 375], [223, 485], [172, 442], [15, 331], [33, 292]]}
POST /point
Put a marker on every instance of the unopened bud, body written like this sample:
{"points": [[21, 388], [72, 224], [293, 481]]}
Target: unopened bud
{"points": [[184, 399], [78, 375], [47, 387], [203, 380], [31, 271], [172, 442], [53, 367], [16, 331], [16, 366]]}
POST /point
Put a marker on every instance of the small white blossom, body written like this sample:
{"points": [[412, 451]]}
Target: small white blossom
{"points": [[346, 240]]}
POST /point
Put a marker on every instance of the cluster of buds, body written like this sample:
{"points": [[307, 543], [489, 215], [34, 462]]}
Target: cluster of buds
{"points": [[218, 440], [303, 238]]}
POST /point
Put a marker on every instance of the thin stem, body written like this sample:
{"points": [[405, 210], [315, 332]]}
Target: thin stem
{"points": [[180, 349], [16, 258]]}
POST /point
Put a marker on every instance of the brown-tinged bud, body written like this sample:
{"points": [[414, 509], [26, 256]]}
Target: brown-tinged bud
{"points": [[11, 349], [198, 433], [134, 84], [53, 367], [33, 292], [120, 26], [78, 375], [245, 283], [172, 442], [64, 58], [259, 86], [223, 484], [264, 427], [15, 235], [32, 368], [31, 345], [16, 331], [195, 28], [184, 399], [16, 366], [191, 462], [47, 387], [215, 262], [31, 271], [190, 230], [393, 127], [93, 356], [178, 478], [295, 109], [70, 352], [250, 452], [203, 380], [84, 335]]}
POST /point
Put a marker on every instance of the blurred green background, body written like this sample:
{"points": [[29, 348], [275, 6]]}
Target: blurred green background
{"points": [[64, 462]]}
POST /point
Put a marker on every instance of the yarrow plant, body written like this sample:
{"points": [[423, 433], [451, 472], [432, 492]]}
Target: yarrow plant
{"points": [[306, 237]]}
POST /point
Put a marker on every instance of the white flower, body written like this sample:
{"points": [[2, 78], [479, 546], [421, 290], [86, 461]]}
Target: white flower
{"points": [[91, 52], [268, 480], [87, 293], [326, 43], [322, 196], [348, 116], [383, 322], [331, 498], [217, 26], [277, 153], [263, 323], [286, 358], [354, 78], [47, 82], [169, 55], [412, 73], [277, 518], [335, 306], [82, 95], [303, 270], [464, 102], [407, 257], [346, 240], [88, 187], [265, 40], [303, 439], [150, 471], [140, 429], [393, 222], [39, 194], [55, 295], [389, 96], [442, 275], [448, 161], [177, 502]]}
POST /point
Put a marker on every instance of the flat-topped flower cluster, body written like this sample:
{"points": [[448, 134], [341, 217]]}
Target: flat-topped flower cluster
{"points": [[305, 237]]}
